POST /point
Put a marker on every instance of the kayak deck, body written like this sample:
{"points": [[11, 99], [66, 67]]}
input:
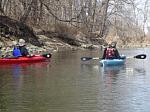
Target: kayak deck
{"points": [[113, 62]]}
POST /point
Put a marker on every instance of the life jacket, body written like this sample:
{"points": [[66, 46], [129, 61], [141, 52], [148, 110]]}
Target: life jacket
{"points": [[110, 53], [16, 52]]}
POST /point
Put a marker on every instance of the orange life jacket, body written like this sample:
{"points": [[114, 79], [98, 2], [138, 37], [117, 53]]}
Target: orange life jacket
{"points": [[110, 53]]}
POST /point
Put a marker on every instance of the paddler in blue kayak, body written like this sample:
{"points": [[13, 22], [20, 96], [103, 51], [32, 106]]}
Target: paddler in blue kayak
{"points": [[111, 52]]}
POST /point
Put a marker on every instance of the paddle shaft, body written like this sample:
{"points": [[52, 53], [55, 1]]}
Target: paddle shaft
{"points": [[140, 56]]}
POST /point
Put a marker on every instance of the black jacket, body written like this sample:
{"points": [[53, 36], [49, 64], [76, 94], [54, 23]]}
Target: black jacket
{"points": [[23, 50]]}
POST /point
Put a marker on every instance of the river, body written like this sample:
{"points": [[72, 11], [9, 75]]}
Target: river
{"points": [[66, 84]]}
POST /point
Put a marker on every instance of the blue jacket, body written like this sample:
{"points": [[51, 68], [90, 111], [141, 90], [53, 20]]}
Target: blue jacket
{"points": [[16, 52]]}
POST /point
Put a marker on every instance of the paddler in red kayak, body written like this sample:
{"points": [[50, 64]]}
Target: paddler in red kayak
{"points": [[16, 51], [20, 49], [111, 52]]}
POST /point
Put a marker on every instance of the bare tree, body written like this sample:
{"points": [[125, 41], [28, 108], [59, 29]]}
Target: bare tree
{"points": [[105, 16]]}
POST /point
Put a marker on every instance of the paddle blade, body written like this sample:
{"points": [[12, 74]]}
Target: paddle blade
{"points": [[86, 58], [140, 56], [47, 55]]}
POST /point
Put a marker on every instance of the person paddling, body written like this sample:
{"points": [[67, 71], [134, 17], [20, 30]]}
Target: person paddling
{"points": [[16, 51], [111, 52], [22, 48]]}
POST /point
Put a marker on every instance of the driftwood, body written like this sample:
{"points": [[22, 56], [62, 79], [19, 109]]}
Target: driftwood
{"points": [[18, 29]]}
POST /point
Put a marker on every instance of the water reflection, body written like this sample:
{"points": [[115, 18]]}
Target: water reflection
{"points": [[18, 85], [112, 70], [89, 67]]}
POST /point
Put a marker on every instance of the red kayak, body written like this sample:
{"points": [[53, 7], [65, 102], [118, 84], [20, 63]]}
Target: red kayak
{"points": [[31, 59]]}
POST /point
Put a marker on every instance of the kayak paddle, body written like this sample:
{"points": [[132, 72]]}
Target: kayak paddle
{"points": [[140, 56], [47, 55], [89, 58]]}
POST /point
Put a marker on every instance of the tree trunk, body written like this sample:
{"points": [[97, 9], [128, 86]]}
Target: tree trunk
{"points": [[104, 8]]}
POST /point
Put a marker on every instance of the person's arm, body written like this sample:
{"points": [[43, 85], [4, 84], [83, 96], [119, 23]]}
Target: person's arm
{"points": [[26, 51], [117, 55], [104, 53]]}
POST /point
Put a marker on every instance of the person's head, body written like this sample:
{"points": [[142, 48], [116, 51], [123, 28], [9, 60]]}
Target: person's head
{"points": [[113, 44], [21, 42], [109, 46], [15, 44]]}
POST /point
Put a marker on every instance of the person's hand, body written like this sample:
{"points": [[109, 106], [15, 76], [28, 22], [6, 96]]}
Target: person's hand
{"points": [[30, 55]]}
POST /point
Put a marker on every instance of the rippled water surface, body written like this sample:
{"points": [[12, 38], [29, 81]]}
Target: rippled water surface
{"points": [[66, 84]]}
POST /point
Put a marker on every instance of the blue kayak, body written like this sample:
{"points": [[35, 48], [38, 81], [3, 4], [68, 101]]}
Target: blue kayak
{"points": [[113, 62]]}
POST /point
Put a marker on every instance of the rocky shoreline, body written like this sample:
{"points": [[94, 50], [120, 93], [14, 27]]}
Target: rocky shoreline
{"points": [[51, 45]]}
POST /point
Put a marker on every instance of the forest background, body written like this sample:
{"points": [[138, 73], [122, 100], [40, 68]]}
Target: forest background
{"points": [[57, 24]]}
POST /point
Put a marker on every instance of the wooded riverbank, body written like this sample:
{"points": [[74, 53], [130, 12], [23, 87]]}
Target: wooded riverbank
{"points": [[60, 39]]}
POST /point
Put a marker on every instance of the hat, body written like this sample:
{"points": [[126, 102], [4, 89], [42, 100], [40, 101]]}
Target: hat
{"points": [[21, 42]]}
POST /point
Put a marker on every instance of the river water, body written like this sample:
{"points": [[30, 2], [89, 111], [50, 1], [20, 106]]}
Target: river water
{"points": [[66, 84]]}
